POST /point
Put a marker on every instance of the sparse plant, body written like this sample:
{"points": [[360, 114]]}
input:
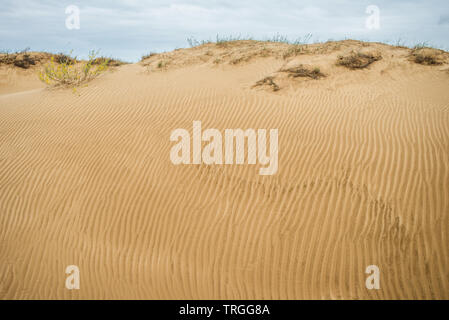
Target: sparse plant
{"points": [[70, 72], [421, 45], [358, 60], [223, 41], [265, 52], [22, 59], [269, 81], [278, 38], [110, 62], [284, 39], [25, 61], [303, 40], [62, 58], [427, 56], [194, 42], [147, 56], [400, 43], [305, 72], [293, 50]]}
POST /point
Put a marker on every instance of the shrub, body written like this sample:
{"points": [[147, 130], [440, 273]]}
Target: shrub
{"points": [[294, 50], [358, 60], [110, 62], [25, 61], [427, 56], [302, 71], [269, 81], [69, 72], [22, 59], [62, 58]]}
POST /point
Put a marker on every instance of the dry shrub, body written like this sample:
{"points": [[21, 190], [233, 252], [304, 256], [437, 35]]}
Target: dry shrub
{"points": [[110, 62], [22, 59], [358, 60], [267, 81], [302, 71], [64, 58], [294, 50], [427, 56]]}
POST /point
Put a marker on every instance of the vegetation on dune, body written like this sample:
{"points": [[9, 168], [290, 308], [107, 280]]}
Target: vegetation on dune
{"points": [[305, 72], [294, 50], [162, 64], [223, 41], [149, 55], [22, 59], [269, 81], [110, 62], [66, 71], [294, 72], [59, 69], [358, 60], [63, 58], [422, 54]]}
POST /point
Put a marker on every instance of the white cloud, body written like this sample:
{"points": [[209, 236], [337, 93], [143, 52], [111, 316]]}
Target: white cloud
{"points": [[129, 28]]}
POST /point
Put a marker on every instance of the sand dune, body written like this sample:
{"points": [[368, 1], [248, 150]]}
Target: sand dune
{"points": [[363, 179]]}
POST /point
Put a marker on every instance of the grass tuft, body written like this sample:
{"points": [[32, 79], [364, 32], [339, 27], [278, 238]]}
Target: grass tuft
{"points": [[223, 41], [147, 56], [110, 62], [294, 50]]}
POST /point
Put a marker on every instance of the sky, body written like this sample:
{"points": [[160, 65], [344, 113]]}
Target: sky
{"points": [[128, 29]]}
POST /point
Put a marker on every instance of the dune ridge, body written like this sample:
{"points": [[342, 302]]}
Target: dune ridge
{"points": [[363, 178]]}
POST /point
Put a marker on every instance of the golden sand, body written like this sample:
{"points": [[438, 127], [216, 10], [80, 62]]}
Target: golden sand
{"points": [[363, 179]]}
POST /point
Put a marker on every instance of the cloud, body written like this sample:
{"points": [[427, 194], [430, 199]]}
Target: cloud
{"points": [[444, 20], [130, 28]]}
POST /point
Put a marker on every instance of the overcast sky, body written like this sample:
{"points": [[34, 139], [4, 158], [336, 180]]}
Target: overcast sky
{"points": [[127, 29]]}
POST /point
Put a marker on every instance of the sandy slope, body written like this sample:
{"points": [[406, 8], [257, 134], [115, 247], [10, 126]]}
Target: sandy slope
{"points": [[363, 179]]}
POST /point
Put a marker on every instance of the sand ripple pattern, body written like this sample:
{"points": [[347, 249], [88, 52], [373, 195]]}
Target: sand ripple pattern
{"points": [[363, 179]]}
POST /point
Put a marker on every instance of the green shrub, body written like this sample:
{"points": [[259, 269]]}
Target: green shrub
{"points": [[70, 72]]}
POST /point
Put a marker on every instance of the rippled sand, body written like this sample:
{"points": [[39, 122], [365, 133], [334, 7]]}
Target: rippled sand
{"points": [[86, 179]]}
